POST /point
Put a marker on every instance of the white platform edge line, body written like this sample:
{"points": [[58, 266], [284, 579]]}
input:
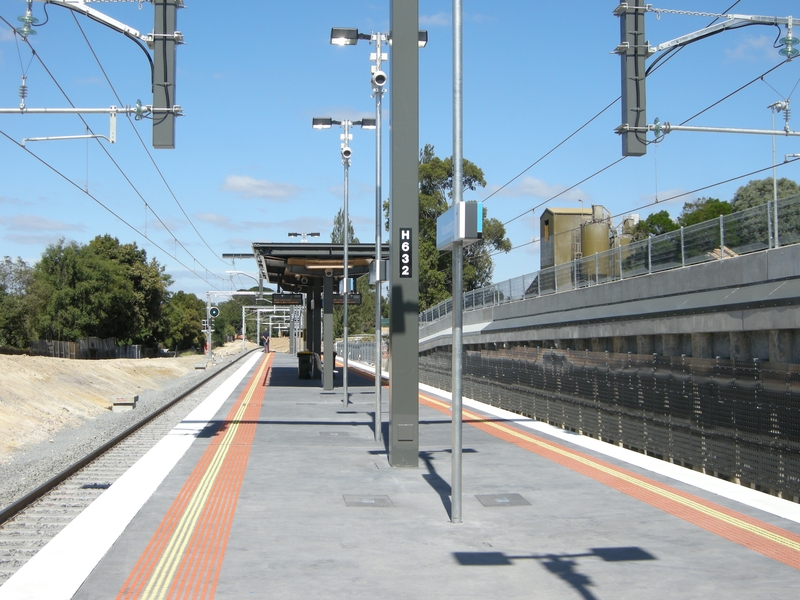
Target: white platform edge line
{"points": [[58, 570], [732, 491]]}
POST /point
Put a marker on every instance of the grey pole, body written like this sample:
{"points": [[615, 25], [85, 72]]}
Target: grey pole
{"points": [[327, 331], [243, 327], [208, 328], [346, 163], [378, 239], [404, 236], [458, 267], [258, 327]]}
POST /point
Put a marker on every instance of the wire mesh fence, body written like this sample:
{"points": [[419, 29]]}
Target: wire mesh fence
{"points": [[750, 230], [739, 421]]}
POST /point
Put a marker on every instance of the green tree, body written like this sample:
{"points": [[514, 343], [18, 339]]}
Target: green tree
{"points": [[435, 268], [183, 316], [654, 224], [16, 304], [337, 234], [81, 294], [360, 317], [105, 289], [759, 191], [228, 323], [703, 209], [150, 285]]}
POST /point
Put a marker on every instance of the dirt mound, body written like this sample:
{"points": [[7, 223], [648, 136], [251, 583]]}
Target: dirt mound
{"points": [[40, 396]]}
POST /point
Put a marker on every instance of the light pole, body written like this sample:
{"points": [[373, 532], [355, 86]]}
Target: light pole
{"points": [[774, 108], [303, 235], [260, 292], [343, 36], [458, 268], [346, 152]]}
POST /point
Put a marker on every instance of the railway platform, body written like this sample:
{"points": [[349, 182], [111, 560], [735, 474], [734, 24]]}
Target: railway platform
{"points": [[272, 488]]}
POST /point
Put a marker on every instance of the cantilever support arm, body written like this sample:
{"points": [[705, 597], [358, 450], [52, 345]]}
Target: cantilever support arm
{"points": [[96, 15]]}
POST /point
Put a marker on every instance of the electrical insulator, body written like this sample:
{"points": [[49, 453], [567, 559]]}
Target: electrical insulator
{"points": [[23, 92]]}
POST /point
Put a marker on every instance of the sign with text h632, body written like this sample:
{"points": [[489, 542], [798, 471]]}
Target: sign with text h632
{"points": [[405, 252]]}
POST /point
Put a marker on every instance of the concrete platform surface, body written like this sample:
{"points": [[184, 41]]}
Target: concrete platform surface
{"points": [[291, 497]]}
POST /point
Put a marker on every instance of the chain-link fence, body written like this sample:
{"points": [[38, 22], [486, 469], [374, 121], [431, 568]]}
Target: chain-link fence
{"points": [[87, 348], [732, 235], [739, 421]]}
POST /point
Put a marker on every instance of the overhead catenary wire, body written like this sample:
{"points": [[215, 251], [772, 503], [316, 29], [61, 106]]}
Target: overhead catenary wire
{"points": [[110, 157], [677, 196], [616, 162], [114, 214], [144, 145], [553, 149]]}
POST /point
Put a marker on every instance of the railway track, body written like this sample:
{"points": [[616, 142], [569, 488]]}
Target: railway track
{"points": [[31, 522]]}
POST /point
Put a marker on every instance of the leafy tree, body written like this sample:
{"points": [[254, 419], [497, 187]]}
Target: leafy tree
{"points": [[654, 224], [16, 304], [105, 289], [435, 268], [703, 209], [149, 281], [360, 317], [759, 191], [183, 316], [229, 322], [81, 294], [337, 235]]}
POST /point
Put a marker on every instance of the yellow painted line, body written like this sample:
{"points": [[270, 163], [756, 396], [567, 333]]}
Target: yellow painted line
{"points": [[164, 573], [701, 508]]}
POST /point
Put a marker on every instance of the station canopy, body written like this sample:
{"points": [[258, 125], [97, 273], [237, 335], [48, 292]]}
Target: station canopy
{"points": [[294, 267]]}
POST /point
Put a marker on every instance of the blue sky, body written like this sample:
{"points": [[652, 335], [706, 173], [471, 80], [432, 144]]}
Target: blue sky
{"points": [[248, 166]]}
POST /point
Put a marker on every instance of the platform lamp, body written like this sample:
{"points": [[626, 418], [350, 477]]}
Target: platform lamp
{"points": [[303, 235], [346, 153], [345, 36]]}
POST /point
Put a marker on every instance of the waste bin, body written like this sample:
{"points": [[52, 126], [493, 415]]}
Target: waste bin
{"points": [[304, 364]]}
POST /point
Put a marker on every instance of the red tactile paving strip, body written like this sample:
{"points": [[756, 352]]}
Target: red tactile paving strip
{"points": [[184, 557], [771, 541]]}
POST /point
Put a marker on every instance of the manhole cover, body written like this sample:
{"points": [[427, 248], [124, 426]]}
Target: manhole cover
{"points": [[502, 500], [368, 501]]}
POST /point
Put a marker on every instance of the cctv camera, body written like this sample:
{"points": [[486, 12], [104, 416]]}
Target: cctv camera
{"points": [[346, 152], [379, 79]]}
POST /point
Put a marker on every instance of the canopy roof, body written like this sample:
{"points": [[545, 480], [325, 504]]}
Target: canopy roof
{"points": [[294, 267]]}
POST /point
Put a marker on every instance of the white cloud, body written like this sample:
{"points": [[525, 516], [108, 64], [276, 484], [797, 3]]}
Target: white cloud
{"points": [[479, 18], [221, 221], [530, 186], [34, 239], [441, 19], [753, 49], [37, 223], [249, 187]]}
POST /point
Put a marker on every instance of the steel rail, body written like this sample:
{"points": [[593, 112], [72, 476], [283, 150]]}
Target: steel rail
{"points": [[18, 506]]}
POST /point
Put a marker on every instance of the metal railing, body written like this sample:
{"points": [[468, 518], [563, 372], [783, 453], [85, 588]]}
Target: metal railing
{"points": [[728, 236], [364, 351]]}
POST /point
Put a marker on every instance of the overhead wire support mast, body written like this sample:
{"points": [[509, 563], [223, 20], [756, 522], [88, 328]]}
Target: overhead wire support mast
{"points": [[162, 41], [634, 49]]}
